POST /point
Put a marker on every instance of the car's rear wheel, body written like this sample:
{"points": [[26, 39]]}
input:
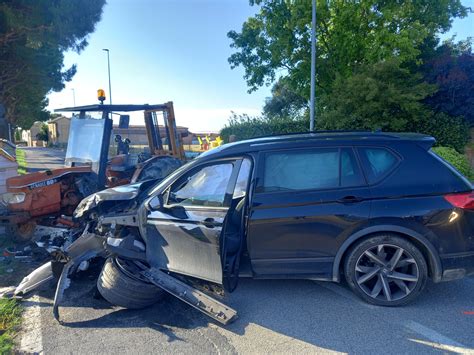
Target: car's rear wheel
{"points": [[120, 285], [386, 270]]}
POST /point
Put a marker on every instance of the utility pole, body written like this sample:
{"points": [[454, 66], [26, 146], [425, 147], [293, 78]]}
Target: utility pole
{"points": [[313, 69], [108, 66]]}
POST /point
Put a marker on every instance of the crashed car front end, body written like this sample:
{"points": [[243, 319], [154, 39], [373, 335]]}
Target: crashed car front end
{"points": [[113, 222]]}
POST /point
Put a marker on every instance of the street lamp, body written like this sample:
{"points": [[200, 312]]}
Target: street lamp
{"points": [[73, 96], [313, 69], [108, 65]]}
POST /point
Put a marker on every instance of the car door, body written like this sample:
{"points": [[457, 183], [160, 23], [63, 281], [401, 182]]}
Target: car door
{"points": [[183, 234], [306, 200]]}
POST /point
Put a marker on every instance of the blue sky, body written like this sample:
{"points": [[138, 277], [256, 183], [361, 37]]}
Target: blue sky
{"points": [[165, 50]]}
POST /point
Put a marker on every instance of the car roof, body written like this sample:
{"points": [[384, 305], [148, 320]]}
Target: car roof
{"points": [[304, 138]]}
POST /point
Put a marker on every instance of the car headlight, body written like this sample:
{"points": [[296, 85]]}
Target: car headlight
{"points": [[13, 197]]}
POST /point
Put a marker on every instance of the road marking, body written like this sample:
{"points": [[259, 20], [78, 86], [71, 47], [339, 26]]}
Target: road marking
{"points": [[438, 340], [31, 339]]}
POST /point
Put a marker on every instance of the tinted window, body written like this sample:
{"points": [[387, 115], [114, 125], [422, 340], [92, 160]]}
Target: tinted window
{"points": [[242, 179], [310, 169], [379, 162], [205, 187]]}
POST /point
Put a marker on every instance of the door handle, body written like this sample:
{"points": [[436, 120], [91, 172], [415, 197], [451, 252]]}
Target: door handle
{"points": [[350, 199], [209, 222]]}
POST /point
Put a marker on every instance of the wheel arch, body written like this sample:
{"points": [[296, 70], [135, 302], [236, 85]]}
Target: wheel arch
{"points": [[426, 247]]}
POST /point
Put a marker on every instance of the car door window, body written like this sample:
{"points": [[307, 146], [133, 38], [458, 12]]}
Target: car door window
{"points": [[205, 187], [301, 170], [319, 168], [242, 179]]}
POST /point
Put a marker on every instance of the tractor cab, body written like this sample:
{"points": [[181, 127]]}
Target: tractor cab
{"points": [[118, 159]]}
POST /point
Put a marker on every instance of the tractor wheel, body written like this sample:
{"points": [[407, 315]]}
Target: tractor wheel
{"points": [[157, 168], [22, 232]]}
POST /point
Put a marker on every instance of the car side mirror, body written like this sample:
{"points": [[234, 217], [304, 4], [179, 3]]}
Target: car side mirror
{"points": [[156, 203]]}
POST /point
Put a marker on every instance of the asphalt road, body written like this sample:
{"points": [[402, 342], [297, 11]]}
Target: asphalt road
{"points": [[274, 317], [38, 159]]}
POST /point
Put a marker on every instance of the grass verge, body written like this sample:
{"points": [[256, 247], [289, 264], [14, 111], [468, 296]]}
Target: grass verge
{"points": [[10, 317]]}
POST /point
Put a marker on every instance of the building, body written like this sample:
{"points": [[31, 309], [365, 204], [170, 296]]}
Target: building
{"points": [[29, 135], [58, 130]]}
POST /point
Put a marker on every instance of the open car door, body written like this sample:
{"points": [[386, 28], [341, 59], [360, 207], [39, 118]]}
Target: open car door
{"points": [[186, 230]]}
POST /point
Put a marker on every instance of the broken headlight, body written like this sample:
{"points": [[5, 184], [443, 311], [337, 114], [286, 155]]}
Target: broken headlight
{"points": [[13, 197]]}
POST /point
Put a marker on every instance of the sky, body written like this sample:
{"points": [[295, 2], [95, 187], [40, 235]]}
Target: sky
{"points": [[174, 50]]}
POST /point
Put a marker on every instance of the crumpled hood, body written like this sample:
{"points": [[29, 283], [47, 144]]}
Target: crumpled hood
{"points": [[119, 193]]}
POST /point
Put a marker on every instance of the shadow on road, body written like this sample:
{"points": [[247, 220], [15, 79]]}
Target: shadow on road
{"points": [[324, 315]]}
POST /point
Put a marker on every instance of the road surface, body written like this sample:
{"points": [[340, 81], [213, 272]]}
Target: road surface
{"points": [[274, 317], [38, 159]]}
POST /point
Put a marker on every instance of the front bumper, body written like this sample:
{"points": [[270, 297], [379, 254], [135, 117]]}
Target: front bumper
{"points": [[456, 266]]}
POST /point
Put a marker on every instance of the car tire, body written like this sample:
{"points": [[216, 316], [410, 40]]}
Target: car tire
{"points": [[120, 287], [386, 270]]}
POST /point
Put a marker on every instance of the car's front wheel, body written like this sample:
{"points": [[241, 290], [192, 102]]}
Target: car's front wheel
{"points": [[386, 270]]}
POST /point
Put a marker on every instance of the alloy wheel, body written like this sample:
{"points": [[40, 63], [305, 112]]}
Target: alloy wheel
{"points": [[387, 272]]}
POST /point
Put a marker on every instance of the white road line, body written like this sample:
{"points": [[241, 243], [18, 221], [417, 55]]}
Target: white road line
{"points": [[31, 336], [439, 341]]}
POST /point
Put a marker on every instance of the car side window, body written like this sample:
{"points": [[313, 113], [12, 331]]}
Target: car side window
{"points": [[242, 179], [318, 168], [204, 187], [379, 162]]}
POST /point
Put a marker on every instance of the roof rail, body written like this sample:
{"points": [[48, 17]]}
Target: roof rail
{"points": [[319, 132]]}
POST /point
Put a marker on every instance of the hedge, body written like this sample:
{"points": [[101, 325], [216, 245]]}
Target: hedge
{"points": [[456, 159]]}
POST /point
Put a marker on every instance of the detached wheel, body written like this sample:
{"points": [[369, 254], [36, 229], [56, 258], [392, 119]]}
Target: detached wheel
{"points": [[23, 232], [118, 284], [386, 270]]}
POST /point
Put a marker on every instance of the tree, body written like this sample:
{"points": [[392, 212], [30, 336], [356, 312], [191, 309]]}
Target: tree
{"points": [[276, 41], [284, 102], [33, 36], [451, 68], [378, 96], [43, 134]]}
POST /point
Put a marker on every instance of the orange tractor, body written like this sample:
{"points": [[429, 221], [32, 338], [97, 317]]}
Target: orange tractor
{"points": [[49, 197]]}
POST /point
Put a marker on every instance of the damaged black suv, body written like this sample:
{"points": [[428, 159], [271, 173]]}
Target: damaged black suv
{"points": [[380, 209]]}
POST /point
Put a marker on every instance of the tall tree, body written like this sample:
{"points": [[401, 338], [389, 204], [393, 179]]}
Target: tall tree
{"points": [[451, 68], [34, 34], [276, 41]]}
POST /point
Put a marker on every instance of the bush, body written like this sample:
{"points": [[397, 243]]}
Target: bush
{"points": [[246, 127], [456, 159], [449, 131]]}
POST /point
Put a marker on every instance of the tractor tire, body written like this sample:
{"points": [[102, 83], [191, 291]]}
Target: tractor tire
{"points": [[120, 287], [157, 169], [22, 233]]}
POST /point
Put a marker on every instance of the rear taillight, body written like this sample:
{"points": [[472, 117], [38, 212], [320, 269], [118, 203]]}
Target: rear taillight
{"points": [[464, 200]]}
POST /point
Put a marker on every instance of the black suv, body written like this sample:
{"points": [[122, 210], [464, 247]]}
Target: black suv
{"points": [[380, 209]]}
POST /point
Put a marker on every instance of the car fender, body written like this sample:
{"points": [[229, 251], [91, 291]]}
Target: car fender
{"points": [[435, 261]]}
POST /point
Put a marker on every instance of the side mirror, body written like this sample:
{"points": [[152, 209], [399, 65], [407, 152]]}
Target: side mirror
{"points": [[156, 203]]}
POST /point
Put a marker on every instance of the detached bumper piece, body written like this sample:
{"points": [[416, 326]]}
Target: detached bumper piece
{"points": [[197, 299]]}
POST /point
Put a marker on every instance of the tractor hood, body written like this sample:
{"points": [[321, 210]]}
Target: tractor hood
{"points": [[120, 193]]}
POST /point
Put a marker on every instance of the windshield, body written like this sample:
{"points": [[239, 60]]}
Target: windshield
{"points": [[85, 142]]}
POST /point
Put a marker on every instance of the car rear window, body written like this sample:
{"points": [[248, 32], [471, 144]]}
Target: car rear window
{"points": [[379, 162], [319, 168]]}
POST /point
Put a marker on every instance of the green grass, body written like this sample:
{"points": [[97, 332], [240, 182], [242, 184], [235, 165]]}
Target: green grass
{"points": [[10, 316]]}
